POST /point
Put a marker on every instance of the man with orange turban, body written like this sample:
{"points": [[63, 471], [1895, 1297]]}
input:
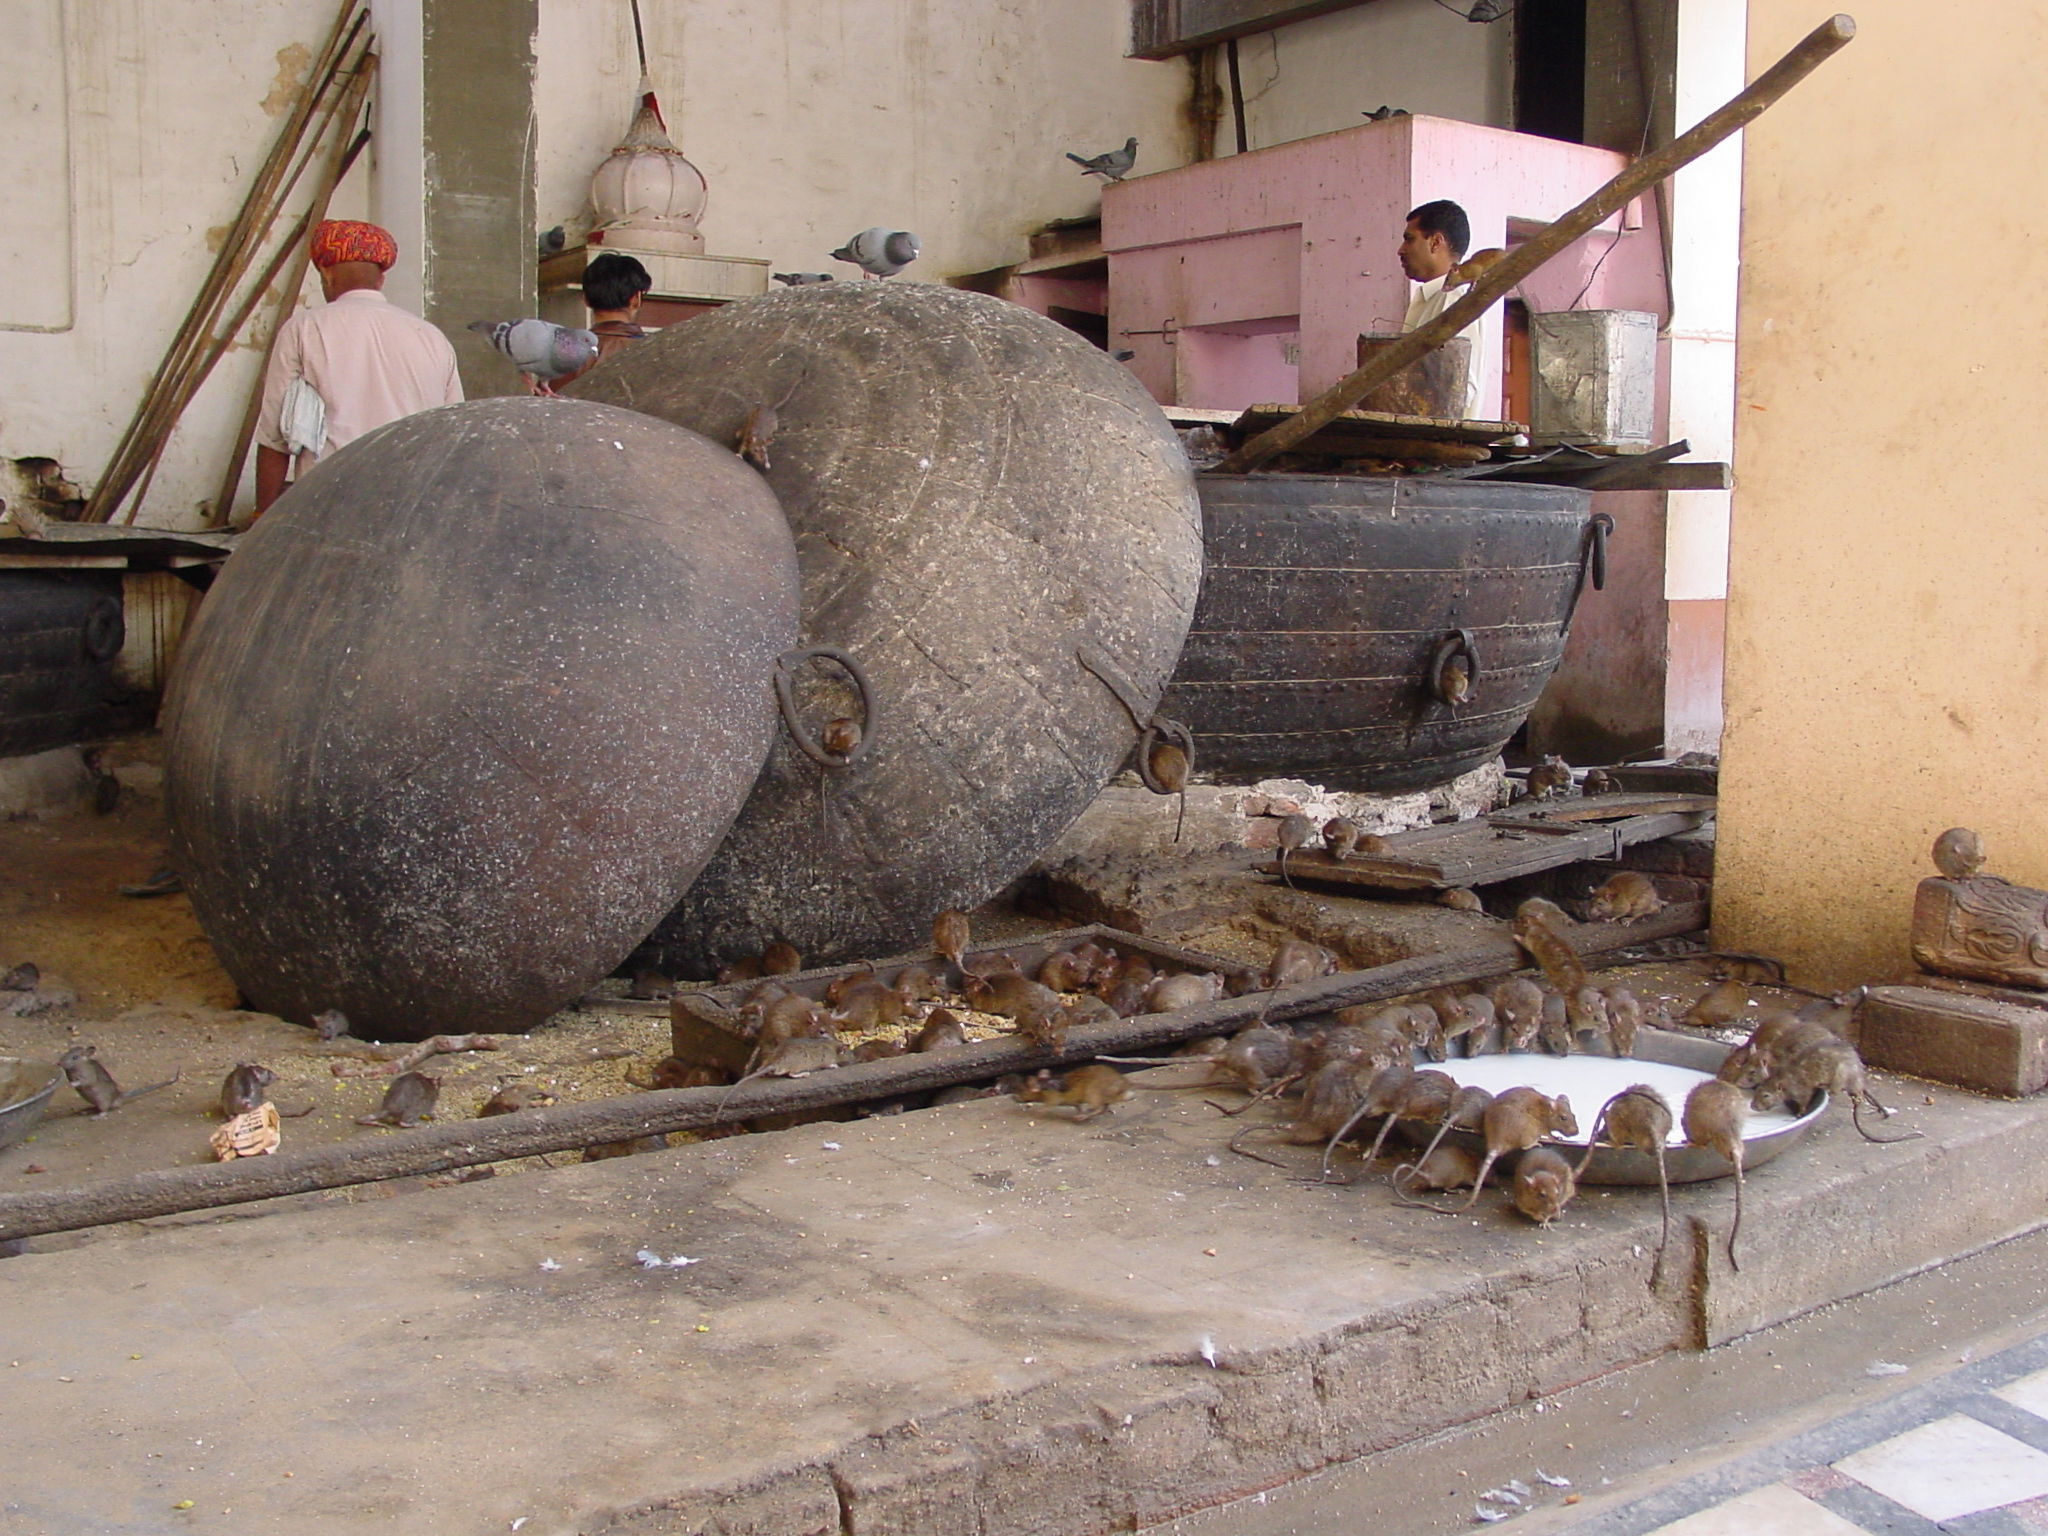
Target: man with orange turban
{"points": [[350, 365]]}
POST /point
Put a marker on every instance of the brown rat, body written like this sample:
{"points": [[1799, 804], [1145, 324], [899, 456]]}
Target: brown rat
{"points": [[840, 736], [1758, 970], [24, 977], [1720, 1004], [950, 936], [1544, 1185], [1340, 837], [603, 1150], [916, 984], [512, 1098], [1465, 1112], [1424, 1095], [95, 1084], [1640, 1118], [1295, 831], [1468, 1017], [1549, 778], [1554, 1028], [1459, 899], [1540, 929], [1518, 1003], [1333, 1091], [748, 969], [331, 1025], [941, 1031], [781, 959], [1517, 1120], [760, 427], [1626, 896], [1008, 994], [1296, 960], [1958, 853], [1183, 989], [1598, 781], [1831, 1064], [1624, 1018], [408, 1101], [650, 984], [1065, 971], [1169, 765], [1044, 1028], [1090, 1091], [245, 1087], [1714, 1117], [1448, 1167]]}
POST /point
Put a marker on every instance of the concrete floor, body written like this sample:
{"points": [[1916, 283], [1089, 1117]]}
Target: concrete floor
{"points": [[980, 1318]]}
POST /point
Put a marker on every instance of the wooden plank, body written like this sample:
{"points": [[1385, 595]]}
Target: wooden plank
{"points": [[1500, 848], [562, 1128], [1364, 427]]}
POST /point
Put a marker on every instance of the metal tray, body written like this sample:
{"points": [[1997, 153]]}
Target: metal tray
{"points": [[1674, 1064], [25, 1089], [700, 1024]]}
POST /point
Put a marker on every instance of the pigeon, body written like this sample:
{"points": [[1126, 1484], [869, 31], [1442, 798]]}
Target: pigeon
{"points": [[540, 349], [880, 252], [1488, 10], [1384, 113], [553, 241], [1111, 164], [801, 279]]}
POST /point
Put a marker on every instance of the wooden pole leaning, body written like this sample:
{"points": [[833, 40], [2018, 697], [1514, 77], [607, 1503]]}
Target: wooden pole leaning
{"points": [[1499, 279]]}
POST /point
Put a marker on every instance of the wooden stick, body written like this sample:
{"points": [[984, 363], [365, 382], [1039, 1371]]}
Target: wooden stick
{"points": [[231, 260], [1499, 279], [528, 1133], [296, 243]]}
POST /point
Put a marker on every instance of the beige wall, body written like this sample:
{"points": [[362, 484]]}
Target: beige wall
{"points": [[1887, 628], [814, 119]]}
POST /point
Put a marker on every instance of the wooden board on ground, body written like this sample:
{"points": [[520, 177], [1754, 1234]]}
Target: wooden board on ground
{"points": [[1531, 837], [1362, 433]]}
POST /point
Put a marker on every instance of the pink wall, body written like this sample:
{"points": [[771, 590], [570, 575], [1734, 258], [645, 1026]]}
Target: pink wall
{"points": [[1301, 237]]}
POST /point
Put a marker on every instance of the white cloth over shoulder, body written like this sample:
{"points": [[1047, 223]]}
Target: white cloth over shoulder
{"points": [[1431, 299], [370, 362]]}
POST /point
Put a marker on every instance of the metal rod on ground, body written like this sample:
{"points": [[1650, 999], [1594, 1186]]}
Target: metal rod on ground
{"points": [[1806, 56], [224, 501], [249, 222], [528, 1133]]}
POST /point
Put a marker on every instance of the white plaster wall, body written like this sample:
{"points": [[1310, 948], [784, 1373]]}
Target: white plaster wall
{"points": [[153, 116], [813, 119], [1322, 74]]}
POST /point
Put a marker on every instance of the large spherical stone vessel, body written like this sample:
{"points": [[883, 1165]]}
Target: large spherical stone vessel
{"points": [[979, 498], [470, 707]]}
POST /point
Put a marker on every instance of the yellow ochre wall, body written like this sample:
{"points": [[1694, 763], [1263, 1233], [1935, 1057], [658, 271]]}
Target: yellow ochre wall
{"points": [[1887, 624]]}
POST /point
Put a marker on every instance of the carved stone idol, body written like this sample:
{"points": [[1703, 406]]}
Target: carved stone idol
{"points": [[1978, 926]]}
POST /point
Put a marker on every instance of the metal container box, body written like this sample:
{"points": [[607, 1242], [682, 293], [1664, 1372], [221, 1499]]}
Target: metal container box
{"points": [[1595, 376]]}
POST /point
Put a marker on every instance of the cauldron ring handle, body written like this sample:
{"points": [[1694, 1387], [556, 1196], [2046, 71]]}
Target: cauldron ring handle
{"points": [[1595, 558], [1152, 730], [1159, 728], [785, 665], [1458, 640]]}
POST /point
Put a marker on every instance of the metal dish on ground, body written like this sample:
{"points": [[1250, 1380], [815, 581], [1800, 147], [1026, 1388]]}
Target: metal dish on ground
{"points": [[25, 1089], [1672, 1064]]}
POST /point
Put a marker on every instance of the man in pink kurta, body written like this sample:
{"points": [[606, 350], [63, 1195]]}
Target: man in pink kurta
{"points": [[368, 360]]}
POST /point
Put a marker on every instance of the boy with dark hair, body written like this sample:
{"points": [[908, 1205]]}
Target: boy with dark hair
{"points": [[612, 288], [1432, 242]]}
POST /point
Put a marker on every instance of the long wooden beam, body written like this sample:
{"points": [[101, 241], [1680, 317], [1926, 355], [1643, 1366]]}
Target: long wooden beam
{"points": [[564, 1128], [1501, 278]]}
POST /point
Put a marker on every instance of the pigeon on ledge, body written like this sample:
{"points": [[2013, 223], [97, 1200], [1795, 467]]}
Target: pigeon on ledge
{"points": [[540, 349], [801, 279], [880, 252], [1111, 164]]}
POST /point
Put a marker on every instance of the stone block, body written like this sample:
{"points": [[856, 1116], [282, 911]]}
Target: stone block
{"points": [[1988, 1043]]}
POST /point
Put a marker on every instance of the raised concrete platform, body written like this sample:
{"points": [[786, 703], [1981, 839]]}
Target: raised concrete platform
{"points": [[967, 1320]]}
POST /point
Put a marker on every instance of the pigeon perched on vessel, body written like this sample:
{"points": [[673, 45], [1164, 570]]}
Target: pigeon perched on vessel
{"points": [[880, 252], [801, 279], [540, 349], [1111, 164]]}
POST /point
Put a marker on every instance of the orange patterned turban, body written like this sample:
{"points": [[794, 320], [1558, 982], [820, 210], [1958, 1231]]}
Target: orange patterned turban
{"points": [[339, 240]]}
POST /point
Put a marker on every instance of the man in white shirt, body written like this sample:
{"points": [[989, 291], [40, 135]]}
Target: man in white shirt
{"points": [[1432, 243], [351, 365]]}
